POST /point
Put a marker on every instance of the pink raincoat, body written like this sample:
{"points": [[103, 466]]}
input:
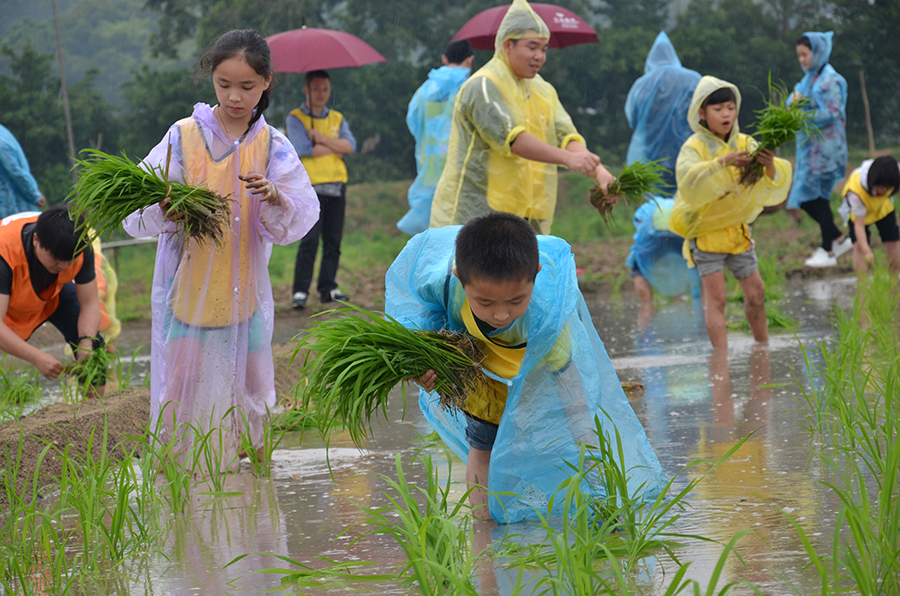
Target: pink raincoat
{"points": [[213, 313]]}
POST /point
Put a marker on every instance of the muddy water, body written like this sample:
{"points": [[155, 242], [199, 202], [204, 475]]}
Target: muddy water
{"points": [[697, 404]]}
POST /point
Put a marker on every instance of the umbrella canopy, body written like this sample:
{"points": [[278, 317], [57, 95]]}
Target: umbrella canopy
{"points": [[306, 50], [566, 27]]}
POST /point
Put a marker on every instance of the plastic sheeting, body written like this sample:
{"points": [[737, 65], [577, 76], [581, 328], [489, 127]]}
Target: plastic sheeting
{"points": [[428, 118], [548, 411], [18, 188], [821, 158], [482, 174], [655, 109], [657, 250], [709, 198], [213, 311]]}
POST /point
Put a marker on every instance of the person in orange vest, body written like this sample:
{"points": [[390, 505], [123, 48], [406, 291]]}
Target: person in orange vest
{"points": [[41, 255], [322, 138]]}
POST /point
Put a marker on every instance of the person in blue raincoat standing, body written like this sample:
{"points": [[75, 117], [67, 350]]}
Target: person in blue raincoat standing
{"points": [[429, 118], [821, 158], [656, 108], [18, 188]]}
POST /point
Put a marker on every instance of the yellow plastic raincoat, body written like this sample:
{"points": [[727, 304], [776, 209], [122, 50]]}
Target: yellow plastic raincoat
{"points": [[482, 174], [710, 206]]}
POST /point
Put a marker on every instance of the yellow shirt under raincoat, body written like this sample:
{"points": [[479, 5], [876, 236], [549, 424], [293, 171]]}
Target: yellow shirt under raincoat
{"points": [[482, 174], [711, 207]]}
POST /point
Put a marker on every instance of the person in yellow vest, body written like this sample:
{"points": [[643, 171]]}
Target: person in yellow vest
{"points": [[509, 134], [322, 138], [868, 200], [40, 258]]}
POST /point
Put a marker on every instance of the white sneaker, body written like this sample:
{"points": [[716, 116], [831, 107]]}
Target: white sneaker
{"points": [[821, 258], [842, 247]]}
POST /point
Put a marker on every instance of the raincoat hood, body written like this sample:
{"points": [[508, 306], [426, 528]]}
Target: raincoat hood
{"points": [[821, 53], [706, 87], [661, 54], [447, 81], [520, 22]]}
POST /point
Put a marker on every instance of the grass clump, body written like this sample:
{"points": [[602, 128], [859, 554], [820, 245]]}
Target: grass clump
{"points": [[354, 360], [110, 188], [636, 181]]}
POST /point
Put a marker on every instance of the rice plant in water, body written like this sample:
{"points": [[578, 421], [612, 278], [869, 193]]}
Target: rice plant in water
{"points": [[110, 188], [636, 181], [353, 361]]}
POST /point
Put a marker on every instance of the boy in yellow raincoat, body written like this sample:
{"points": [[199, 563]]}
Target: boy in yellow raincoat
{"points": [[510, 133], [713, 211]]}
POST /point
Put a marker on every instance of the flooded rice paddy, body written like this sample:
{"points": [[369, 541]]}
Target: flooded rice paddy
{"points": [[696, 404]]}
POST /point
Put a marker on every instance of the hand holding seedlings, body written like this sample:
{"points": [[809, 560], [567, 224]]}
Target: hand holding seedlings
{"points": [[766, 159], [262, 188], [48, 366], [426, 381], [636, 181], [583, 162], [737, 159]]}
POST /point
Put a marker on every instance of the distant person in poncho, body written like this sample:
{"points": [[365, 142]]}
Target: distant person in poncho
{"points": [[428, 117], [550, 376], [510, 133], [18, 188]]}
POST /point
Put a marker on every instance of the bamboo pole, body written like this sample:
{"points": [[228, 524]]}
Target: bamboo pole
{"points": [[865, 98], [65, 94]]}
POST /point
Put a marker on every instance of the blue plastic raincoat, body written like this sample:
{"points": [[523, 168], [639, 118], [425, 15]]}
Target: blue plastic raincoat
{"points": [[656, 251], [549, 410], [18, 188], [429, 117], [655, 108], [821, 160]]}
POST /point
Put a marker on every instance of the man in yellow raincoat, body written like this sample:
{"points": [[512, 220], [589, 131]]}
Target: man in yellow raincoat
{"points": [[712, 210], [510, 133]]}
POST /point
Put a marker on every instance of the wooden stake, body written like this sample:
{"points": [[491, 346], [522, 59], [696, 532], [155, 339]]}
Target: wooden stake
{"points": [[65, 94], [865, 98]]}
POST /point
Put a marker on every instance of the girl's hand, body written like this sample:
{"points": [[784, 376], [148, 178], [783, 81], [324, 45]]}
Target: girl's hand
{"points": [[736, 159], [264, 189], [173, 216], [767, 159], [426, 381]]}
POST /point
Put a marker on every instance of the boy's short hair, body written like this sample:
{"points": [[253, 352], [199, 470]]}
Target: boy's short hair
{"points": [[457, 51], [719, 96], [317, 74], [884, 172], [499, 247], [58, 234]]}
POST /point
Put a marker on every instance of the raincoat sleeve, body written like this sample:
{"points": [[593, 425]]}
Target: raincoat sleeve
{"points": [[414, 117], [151, 221], [828, 101], [14, 167], [701, 181], [565, 128], [487, 112], [300, 210]]}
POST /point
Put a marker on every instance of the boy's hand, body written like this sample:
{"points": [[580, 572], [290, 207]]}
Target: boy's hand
{"points": [[737, 159], [867, 255], [426, 381], [583, 162], [604, 179], [48, 366], [767, 159], [314, 135]]}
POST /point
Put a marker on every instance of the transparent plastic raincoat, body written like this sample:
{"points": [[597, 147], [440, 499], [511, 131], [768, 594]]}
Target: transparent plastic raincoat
{"points": [[655, 108], [429, 117], [482, 174], [212, 305], [549, 409], [710, 204], [656, 251], [821, 159]]}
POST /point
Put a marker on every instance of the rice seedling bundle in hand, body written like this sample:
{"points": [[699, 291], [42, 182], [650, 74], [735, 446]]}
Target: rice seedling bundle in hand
{"points": [[92, 370], [636, 181], [777, 123], [110, 188], [354, 360]]}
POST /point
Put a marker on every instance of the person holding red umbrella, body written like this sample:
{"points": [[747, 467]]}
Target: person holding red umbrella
{"points": [[510, 133]]}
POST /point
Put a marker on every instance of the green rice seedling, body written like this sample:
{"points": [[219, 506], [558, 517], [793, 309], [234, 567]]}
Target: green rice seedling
{"points": [[164, 456], [354, 360], [333, 575], [636, 181], [110, 188], [91, 370], [271, 437], [18, 387], [776, 124], [775, 318]]}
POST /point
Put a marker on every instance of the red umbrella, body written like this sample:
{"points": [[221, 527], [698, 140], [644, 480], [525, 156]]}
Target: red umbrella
{"points": [[566, 27], [305, 50]]}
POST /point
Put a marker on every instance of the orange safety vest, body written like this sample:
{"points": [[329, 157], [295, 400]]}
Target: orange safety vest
{"points": [[27, 310]]}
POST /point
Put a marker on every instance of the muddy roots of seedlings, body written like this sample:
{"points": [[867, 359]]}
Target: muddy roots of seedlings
{"points": [[635, 183], [453, 395]]}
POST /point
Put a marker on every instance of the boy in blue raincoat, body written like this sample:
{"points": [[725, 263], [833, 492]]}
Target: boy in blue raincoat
{"points": [[18, 188], [550, 375], [428, 118]]}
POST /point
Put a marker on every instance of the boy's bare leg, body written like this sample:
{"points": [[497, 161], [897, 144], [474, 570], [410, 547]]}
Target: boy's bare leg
{"points": [[893, 254], [479, 462], [712, 287], [755, 306], [645, 295]]}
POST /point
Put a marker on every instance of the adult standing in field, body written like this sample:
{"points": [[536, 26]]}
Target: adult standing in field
{"points": [[429, 117], [655, 109], [821, 158], [510, 133], [322, 138], [18, 188]]}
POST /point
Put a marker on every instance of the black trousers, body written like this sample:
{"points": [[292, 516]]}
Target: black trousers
{"points": [[330, 228], [820, 210]]}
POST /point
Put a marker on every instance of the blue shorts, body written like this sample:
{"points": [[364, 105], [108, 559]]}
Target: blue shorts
{"points": [[480, 434], [254, 329]]}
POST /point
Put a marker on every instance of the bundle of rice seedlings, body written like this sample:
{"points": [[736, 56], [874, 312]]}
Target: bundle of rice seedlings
{"points": [[110, 188], [92, 370], [636, 181], [777, 123], [355, 359]]}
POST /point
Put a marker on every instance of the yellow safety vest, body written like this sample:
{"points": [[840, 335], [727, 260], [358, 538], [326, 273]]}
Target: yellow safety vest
{"points": [[877, 208], [326, 168]]}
